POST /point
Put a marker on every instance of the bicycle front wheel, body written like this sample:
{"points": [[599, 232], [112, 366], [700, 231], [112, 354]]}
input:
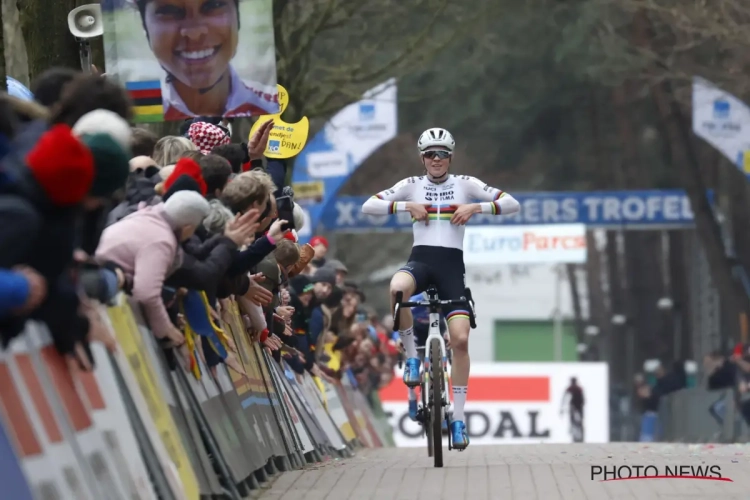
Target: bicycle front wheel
{"points": [[437, 383], [425, 423]]}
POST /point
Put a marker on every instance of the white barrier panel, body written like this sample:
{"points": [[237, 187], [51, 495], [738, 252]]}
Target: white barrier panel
{"points": [[516, 403], [559, 243], [313, 396]]}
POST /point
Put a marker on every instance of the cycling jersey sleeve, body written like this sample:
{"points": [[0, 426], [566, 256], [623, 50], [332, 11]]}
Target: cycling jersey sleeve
{"points": [[391, 200], [493, 200]]}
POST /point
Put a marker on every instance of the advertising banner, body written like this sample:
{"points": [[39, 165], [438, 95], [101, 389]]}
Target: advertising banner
{"points": [[723, 121], [179, 61], [346, 141], [562, 243], [516, 403], [647, 209], [286, 139]]}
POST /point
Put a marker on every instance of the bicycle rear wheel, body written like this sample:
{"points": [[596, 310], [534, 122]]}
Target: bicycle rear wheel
{"points": [[437, 381]]}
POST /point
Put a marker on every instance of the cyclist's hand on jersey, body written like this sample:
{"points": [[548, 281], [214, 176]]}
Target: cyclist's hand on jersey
{"points": [[418, 211], [464, 212]]}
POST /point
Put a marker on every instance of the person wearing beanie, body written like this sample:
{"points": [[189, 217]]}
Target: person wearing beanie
{"points": [[63, 166], [111, 165], [320, 245], [182, 183], [207, 136], [186, 210], [104, 121], [146, 246], [47, 175], [189, 167]]}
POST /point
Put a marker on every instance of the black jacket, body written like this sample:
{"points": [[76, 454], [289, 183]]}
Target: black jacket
{"points": [[204, 264], [43, 236]]}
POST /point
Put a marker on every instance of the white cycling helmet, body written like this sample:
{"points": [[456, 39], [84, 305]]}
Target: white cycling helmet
{"points": [[436, 137]]}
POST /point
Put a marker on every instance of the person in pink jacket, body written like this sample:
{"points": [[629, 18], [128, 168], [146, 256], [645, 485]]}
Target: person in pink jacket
{"points": [[146, 245]]}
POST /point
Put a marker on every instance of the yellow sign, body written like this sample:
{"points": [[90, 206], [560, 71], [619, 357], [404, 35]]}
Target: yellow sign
{"points": [[746, 162], [130, 341], [286, 139], [309, 190]]}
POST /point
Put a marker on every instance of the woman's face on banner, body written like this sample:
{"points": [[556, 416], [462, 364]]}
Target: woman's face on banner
{"points": [[194, 40]]}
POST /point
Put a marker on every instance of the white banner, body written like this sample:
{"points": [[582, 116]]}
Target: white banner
{"points": [[516, 403], [554, 243], [361, 128], [722, 120]]}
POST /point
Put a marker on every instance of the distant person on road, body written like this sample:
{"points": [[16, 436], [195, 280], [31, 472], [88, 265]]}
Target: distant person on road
{"points": [[574, 396]]}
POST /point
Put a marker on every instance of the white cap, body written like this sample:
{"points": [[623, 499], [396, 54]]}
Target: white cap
{"points": [[186, 208], [103, 121], [299, 217]]}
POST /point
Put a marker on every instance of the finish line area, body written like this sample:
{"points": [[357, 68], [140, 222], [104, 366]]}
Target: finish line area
{"points": [[526, 472]]}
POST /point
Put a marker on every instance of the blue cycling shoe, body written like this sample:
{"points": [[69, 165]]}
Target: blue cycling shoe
{"points": [[413, 410], [411, 372], [459, 437]]}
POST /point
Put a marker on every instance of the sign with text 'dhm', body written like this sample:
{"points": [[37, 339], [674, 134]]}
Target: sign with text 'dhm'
{"points": [[554, 243]]}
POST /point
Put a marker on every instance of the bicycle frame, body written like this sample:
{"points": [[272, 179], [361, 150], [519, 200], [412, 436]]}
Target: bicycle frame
{"points": [[434, 333]]}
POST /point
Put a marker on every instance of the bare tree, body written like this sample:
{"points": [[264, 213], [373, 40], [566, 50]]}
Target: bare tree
{"points": [[330, 51]]}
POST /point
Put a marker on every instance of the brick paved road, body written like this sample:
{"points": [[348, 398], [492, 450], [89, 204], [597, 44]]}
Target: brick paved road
{"points": [[529, 472]]}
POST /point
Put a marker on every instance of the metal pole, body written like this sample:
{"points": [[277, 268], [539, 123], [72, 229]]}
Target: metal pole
{"points": [[84, 52]]}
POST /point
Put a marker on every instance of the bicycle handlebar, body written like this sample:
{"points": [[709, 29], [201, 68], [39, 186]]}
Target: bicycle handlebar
{"points": [[428, 303], [432, 304]]}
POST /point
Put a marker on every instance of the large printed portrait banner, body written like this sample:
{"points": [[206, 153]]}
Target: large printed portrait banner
{"points": [[184, 58]]}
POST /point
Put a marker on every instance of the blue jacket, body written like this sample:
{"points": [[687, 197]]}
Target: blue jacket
{"points": [[14, 290]]}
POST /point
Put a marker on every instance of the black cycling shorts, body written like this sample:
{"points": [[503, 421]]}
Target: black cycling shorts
{"points": [[444, 268]]}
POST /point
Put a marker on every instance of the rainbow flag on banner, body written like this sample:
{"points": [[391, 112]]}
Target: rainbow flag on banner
{"points": [[148, 105]]}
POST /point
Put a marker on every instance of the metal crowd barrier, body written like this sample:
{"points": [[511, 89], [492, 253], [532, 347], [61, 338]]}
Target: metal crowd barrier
{"points": [[134, 429], [686, 416]]}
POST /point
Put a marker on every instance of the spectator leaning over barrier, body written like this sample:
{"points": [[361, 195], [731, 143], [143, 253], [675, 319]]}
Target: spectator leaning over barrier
{"points": [[48, 86], [741, 359], [22, 290], [50, 179], [140, 188], [320, 245], [168, 150], [216, 172], [252, 191], [87, 93], [235, 154], [143, 142], [339, 268], [207, 136], [324, 284], [146, 245]]}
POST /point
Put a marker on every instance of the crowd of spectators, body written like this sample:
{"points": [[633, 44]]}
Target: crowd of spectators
{"points": [[91, 206], [730, 372]]}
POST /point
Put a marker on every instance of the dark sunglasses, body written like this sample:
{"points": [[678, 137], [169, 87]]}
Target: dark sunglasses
{"points": [[440, 155]]}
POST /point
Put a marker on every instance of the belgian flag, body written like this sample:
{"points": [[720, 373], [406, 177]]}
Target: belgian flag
{"points": [[148, 105]]}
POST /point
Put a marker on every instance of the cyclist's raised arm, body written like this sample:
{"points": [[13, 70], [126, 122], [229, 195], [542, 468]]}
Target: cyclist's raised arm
{"points": [[391, 200], [493, 200]]}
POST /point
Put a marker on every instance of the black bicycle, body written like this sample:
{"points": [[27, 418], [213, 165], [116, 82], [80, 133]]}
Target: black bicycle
{"points": [[436, 398]]}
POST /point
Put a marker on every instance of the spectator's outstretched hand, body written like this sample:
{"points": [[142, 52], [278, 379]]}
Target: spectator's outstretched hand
{"points": [[242, 227], [98, 331], [275, 232], [258, 143], [37, 289], [257, 294], [285, 312]]}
